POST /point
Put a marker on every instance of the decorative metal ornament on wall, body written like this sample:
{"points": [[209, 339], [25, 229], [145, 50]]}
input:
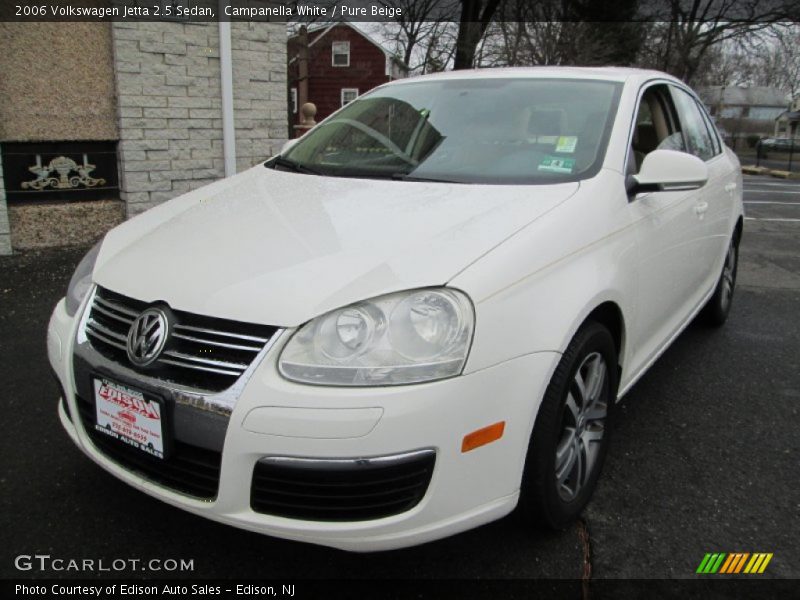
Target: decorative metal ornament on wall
{"points": [[64, 168], [60, 171]]}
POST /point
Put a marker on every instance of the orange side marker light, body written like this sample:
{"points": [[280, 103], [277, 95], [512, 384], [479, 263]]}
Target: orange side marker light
{"points": [[483, 436]]}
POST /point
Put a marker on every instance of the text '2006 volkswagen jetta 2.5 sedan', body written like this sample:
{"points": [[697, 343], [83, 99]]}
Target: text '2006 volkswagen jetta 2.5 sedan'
{"points": [[414, 319]]}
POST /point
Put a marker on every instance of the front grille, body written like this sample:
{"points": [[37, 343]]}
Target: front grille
{"points": [[202, 352], [188, 469], [341, 490]]}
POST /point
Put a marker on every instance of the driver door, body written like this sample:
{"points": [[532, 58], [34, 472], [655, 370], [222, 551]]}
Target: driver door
{"points": [[669, 233]]}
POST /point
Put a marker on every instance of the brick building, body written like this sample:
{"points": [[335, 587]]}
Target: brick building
{"points": [[343, 62], [118, 117]]}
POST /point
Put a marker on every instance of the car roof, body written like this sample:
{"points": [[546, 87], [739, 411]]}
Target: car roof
{"points": [[619, 74]]}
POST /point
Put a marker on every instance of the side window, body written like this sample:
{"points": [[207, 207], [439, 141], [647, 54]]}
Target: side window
{"points": [[655, 127], [712, 130], [694, 129]]}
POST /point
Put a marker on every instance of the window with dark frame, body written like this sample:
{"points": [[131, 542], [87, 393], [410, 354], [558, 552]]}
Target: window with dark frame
{"points": [[348, 95], [340, 54]]}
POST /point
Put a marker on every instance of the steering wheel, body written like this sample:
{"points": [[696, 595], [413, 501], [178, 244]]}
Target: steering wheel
{"points": [[380, 138]]}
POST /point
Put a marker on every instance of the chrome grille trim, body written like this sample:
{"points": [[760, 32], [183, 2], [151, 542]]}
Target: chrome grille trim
{"points": [[110, 313], [239, 336], [205, 361], [213, 343], [97, 327], [197, 367], [203, 354], [121, 309], [103, 338]]}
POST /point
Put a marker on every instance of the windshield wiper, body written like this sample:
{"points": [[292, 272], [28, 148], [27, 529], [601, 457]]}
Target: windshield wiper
{"points": [[287, 163], [408, 177]]}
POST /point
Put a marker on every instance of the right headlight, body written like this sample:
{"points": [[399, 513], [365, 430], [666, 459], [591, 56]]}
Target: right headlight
{"points": [[407, 337]]}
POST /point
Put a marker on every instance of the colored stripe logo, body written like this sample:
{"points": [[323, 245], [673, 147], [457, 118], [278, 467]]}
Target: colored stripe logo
{"points": [[734, 563]]}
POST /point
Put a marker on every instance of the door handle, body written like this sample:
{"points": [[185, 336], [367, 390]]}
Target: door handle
{"points": [[700, 208], [730, 187]]}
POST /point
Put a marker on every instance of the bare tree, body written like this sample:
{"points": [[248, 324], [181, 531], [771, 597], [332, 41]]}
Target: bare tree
{"points": [[778, 58], [418, 29], [691, 28], [475, 18], [440, 48], [422, 32], [563, 32], [768, 57]]}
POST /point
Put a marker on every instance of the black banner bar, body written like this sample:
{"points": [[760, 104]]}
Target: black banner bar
{"points": [[326, 11], [479, 589]]}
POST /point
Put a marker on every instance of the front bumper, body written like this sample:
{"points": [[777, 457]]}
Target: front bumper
{"points": [[273, 417]]}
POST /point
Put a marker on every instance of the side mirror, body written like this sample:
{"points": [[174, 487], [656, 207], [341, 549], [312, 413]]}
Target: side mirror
{"points": [[667, 170], [288, 145]]}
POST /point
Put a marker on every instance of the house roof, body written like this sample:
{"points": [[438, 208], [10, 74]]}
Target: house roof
{"points": [[315, 34], [757, 95], [789, 116]]}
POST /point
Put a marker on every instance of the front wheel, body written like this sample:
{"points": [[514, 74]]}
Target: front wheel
{"points": [[716, 311], [570, 436]]}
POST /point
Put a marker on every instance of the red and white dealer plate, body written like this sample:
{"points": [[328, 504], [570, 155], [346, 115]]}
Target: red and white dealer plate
{"points": [[126, 415]]}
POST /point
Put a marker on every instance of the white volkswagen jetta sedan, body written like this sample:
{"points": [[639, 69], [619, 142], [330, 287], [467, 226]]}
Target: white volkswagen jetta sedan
{"points": [[416, 318]]}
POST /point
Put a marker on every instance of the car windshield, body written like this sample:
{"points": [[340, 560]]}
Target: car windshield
{"points": [[493, 130]]}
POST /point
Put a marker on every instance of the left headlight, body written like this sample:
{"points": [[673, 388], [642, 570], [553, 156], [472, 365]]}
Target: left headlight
{"points": [[407, 337], [81, 280]]}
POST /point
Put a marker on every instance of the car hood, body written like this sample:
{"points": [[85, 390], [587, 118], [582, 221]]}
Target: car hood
{"points": [[275, 247]]}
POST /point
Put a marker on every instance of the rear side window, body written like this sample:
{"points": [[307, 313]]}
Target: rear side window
{"points": [[712, 131], [693, 126]]}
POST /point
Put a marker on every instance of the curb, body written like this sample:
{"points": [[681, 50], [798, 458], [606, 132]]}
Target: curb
{"points": [[753, 170], [785, 174]]}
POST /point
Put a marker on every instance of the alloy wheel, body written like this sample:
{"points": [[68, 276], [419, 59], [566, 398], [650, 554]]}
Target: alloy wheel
{"points": [[583, 427], [728, 275]]}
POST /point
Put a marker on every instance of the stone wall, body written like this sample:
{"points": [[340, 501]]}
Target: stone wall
{"points": [[170, 105], [74, 223], [57, 82], [259, 90]]}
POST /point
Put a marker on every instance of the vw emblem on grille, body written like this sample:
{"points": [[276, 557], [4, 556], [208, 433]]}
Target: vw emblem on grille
{"points": [[147, 336]]}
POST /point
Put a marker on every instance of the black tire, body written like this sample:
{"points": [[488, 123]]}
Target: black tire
{"points": [[718, 307], [542, 500]]}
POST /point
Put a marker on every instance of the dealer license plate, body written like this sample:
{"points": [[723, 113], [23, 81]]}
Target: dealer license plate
{"points": [[126, 415]]}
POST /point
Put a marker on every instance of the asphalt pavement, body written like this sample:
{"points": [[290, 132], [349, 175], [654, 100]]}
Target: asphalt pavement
{"points": [[704, 456], [705, 452]]}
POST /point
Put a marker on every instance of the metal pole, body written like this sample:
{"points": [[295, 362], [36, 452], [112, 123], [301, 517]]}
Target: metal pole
{"points": [[226, 80]]}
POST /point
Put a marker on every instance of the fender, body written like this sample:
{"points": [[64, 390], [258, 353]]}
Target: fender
{"points": [[571, 273]]}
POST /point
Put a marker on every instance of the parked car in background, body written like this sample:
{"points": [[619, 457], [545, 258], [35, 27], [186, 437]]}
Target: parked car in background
{"points": [[777, 145], [416, 318]]}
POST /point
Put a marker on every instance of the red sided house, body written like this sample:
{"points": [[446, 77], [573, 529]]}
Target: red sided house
{"points": [[341, 62]]}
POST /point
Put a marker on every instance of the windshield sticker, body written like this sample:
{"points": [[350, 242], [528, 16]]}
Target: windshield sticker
{"points": [[555, 164], [566, 143]]}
